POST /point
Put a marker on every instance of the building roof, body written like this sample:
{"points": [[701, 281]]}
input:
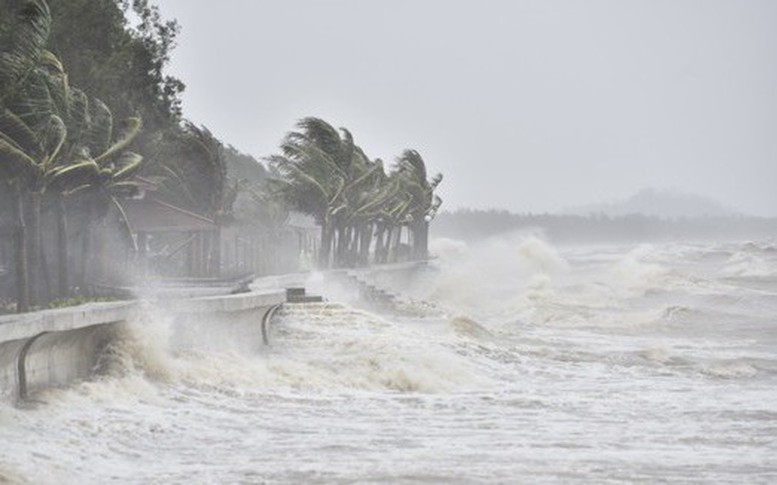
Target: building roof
{"points": [[298, 220], [152, 215]]}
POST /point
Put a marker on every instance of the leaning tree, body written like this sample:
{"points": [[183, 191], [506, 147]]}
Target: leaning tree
{"points": [[423, 204], [31, 132]]}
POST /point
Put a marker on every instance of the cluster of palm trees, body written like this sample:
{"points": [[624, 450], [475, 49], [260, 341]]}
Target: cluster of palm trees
{"points": [[59, 147], [362, 209]]}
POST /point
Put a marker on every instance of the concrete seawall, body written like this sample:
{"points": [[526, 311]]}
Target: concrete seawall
{"points": [[52, 348], [55, 347]]}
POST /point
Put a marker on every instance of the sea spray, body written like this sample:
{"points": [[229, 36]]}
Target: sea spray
{"points": [[600, 370], [344, 348], [496, 276]]}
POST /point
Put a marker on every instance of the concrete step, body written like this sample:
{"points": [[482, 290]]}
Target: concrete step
{"points": [[305, 299], [295, 292]]}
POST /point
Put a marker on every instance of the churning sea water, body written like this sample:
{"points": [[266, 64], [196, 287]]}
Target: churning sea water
{"points": [[511, 362]]}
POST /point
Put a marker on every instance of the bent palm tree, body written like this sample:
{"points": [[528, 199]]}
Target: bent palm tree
{"points": [[315, 168], [193, 170], [424, 204], [102, 180], [31, 137]]}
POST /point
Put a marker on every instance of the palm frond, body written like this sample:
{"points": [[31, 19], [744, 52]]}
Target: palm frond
{"points": [[15, 163], [127, 136], [18, 132], [128, 166], [54, 135], [77, 174], [98, 136], [24, 30]]}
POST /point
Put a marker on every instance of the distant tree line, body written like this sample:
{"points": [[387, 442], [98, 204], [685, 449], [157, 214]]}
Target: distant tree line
{"points": [[471, 225]]}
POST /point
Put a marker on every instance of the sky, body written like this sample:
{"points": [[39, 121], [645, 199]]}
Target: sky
{"points": [[525, 105]]}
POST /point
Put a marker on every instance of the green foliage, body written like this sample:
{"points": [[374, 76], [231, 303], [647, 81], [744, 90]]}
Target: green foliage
{"points": [[24, 29], [122, 65], [244, 167], [193, 171], [411, 171], [32, 131]]}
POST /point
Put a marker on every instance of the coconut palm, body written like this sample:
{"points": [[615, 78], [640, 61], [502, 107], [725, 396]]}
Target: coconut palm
{"points": [[424, 204], [315, 167], [89, 148], [31, 137], [367, 196], [98, 169], [87, 158], [193, 171]]}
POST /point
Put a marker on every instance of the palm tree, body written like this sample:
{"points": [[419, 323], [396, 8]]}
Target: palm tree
{"points": [[193, 168], [31, 137], [367, 197], [315, 167], [98, 169], [424, 204], [193, 171], [87, 158]]}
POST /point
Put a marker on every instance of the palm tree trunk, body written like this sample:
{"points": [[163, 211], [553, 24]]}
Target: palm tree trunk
{"points": [[62, 248], [364, 245], [45, 276], [421, 240], [86, 237], [396, 240], [354, 237], [386, 245], [326, 245], [216, 253], [33, 255], [341, 243], [22, 274]]}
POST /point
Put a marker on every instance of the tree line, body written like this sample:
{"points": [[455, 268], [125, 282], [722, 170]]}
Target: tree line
{"points": [[474, 224]]}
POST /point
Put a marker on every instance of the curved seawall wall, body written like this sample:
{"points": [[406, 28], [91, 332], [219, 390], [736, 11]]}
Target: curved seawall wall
{"points": [[54, 347]]}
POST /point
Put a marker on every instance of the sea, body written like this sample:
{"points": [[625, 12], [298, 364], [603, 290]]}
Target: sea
{"points": [[512, 360]]}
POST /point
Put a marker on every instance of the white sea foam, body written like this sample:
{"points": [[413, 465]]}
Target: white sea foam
{"points": [[600, 365]]}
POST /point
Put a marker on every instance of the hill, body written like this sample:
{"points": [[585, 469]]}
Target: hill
{"points": [[658, 203]]}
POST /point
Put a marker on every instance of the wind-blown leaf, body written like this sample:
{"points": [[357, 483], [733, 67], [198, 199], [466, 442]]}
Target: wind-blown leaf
{"points": [[24, 29], [129, 134], [18, 132], [128, 166], [98, 136], [16, 163], [63, 178]]}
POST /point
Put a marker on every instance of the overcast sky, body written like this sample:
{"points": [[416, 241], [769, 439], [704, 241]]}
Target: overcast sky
{"points": [[524, 105]]}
